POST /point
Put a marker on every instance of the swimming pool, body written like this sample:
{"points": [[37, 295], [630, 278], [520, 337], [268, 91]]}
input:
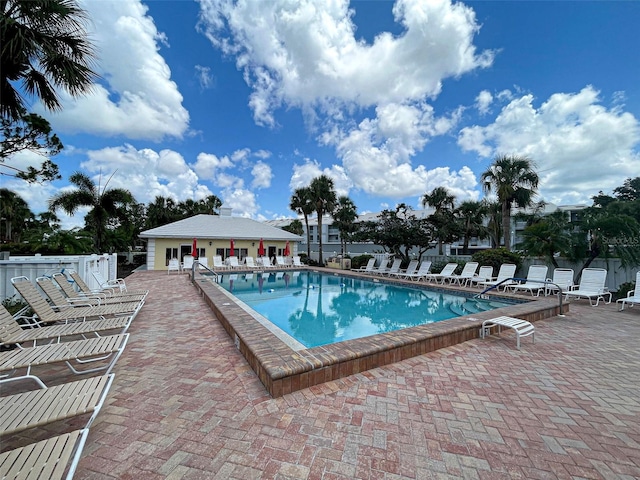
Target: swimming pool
{"points": [[319, 309]]}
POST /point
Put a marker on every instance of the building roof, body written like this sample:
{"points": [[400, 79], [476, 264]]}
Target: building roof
{"points": [[219, 227]]}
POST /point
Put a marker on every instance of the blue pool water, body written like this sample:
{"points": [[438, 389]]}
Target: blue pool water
{"points": [[318, 309]]}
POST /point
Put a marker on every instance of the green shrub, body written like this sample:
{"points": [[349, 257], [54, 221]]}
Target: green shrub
{"points": [[360, 261], [623, 289], [14, 304], [496, 257], [438, 265]]}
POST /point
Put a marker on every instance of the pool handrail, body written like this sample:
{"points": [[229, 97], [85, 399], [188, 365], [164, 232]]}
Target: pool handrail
{"points": [[545, 282], [197, 264]]}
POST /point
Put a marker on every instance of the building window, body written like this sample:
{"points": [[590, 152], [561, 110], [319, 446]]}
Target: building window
{"points": [[170, 253]]}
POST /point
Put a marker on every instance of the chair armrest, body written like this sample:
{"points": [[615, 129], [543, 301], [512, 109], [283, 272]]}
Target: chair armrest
{"points": [[631, 293]]}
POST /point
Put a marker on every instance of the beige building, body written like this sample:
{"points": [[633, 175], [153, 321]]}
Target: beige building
{"points": [[213, 235]]}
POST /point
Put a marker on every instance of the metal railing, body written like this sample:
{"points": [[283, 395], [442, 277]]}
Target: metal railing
{"points": [[544, 282]]}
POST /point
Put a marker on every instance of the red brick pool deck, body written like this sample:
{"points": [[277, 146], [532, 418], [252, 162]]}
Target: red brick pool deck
{"points": [[186, 405]]}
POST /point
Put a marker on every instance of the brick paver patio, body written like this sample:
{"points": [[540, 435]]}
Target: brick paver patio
{"points": [[185, 404]]}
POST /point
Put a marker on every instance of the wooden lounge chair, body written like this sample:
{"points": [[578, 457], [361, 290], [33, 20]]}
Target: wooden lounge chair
{"points": [[35, 408], [535, 281], [633, 296], [592, 285], [78, 352], [11, 333], [47, 459], [101, 297], [47, 314], [110, 291], [521, 327], [57, 297]]}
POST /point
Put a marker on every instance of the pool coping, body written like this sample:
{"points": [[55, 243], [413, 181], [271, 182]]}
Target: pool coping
{"points": [[283, 370]]}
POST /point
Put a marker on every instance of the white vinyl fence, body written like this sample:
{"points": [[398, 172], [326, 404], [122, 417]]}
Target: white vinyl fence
{"points": [[33, 266]]}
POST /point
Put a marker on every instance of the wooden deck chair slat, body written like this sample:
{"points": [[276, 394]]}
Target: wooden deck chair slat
{"points": [[45, 459]]}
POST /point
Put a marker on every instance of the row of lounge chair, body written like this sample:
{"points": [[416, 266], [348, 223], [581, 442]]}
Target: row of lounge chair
{"points": [[233, 263], [88, 334], [592, 284]]}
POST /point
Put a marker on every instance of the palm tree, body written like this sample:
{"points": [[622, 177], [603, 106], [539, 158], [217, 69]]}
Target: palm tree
{"points": [[105, 204], [472, 215], [323, 197], [343, 219], [161, 211], [301, 204], [15, 215], [45, 48], [443, 202], [515, 183]]}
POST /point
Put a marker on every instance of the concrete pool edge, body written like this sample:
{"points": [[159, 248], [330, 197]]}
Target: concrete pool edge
{"points": [[283, 370]]}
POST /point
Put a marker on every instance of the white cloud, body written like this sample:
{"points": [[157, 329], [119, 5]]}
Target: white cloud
{"points": [[262, 175], [578, 145], [306, 53], [305, 173], [136, 98], [205, 79], [145, 173], [483, 101]]}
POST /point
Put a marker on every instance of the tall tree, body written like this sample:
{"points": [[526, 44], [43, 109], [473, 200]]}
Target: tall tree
{"points": [[161, 211], [547, 236], [301, 204], [344, 217], [15, 215], [30, 132], [443, 220], [105, 204], [323, 196], [515, 183], [472, 214], [45, 49]]}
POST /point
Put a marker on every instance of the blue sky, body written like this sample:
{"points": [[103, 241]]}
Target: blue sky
{"points": [[250, 100]]}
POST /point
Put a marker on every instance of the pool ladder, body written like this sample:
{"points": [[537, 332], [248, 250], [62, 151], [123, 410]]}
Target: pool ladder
{"points": [[545, 282]]}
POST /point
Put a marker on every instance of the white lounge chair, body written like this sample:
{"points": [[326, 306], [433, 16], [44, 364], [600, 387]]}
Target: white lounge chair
{"points": [[367, 268], [521, 327], [394, 268], [562, 278], [411, 268], [468, 272], [485, 274], [187, 262], [203, 263], [233, 263], [633, 296], [218, 264], [249, 263], [280, 262], [421, 273], [382, 268], [297, 262], [534, 282], [445, 273], [592, 285], [174, 266], [507, 271]]}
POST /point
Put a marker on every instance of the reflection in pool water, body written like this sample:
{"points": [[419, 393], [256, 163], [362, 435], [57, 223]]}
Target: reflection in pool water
{"points": [[318, 309]]}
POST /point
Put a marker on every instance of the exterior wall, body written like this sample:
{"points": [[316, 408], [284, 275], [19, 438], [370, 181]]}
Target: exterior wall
{"points": [[156, 260]]}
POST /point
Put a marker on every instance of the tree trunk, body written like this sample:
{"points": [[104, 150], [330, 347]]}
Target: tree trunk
{"points": [[506, 224], [306, 221], [320, 239]]}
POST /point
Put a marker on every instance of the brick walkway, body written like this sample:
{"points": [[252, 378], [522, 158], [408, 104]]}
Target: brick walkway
{"points": [[185, 404]]}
